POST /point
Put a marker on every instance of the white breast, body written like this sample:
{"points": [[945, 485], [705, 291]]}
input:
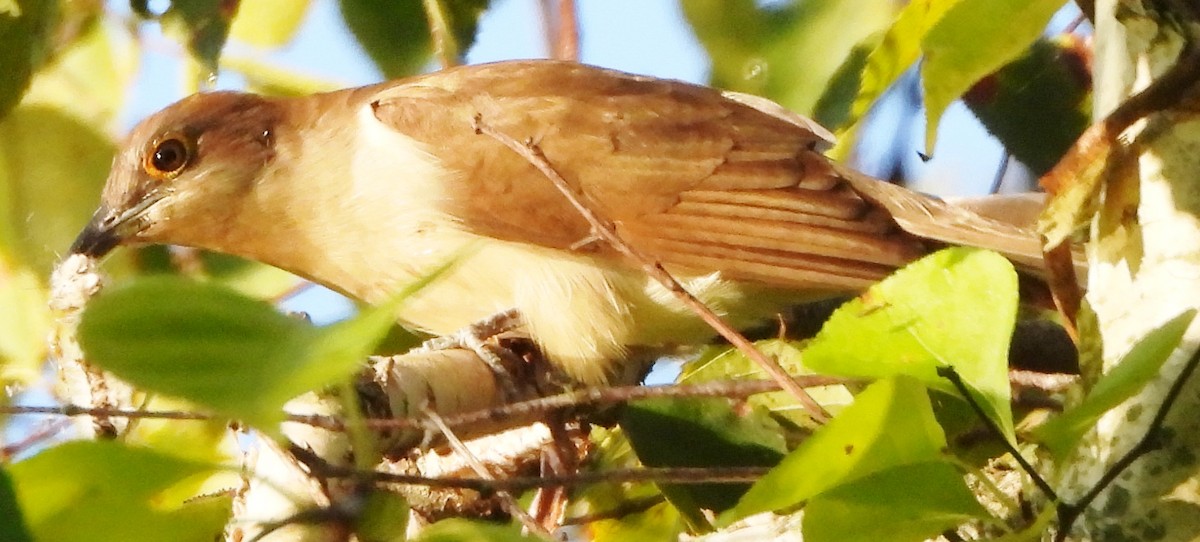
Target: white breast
{"points": [[387, 229]]}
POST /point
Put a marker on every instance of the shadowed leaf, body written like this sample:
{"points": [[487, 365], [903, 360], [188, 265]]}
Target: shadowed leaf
{"points": [[105, 491]]}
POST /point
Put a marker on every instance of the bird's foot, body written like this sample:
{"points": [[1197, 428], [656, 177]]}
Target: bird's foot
{"points": [[478, 337]]}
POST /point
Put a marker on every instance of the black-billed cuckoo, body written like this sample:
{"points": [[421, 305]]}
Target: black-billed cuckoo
{"points": [[364, 190]]}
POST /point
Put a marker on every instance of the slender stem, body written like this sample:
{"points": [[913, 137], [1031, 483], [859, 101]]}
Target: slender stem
{"points": [[716, 388], [506, 497], [566, 42], [1149, 442], [658, 475], [445, 46], [952, 375]]}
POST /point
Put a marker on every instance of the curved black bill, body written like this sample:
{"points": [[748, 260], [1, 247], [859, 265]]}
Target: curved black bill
{"points": [[97, 238]]}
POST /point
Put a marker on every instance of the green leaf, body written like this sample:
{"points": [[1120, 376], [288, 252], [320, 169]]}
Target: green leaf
{"points": [[910, 502], [208, 344], [249, 277], [956, 307], [202, 26], [25, 27], [395, 33], [197, 341], [611, 450], [1039, 104], [890, 424], [833, 107], [713, 433], [724, 362], [967, 43], [270, 79], [47, 191], [384, 518], [12, 521], [789, 54], [659, 522], [101, 64], [24, 325], [461, 530], [895, 53], [339, 350], [1136, 369], [268, 23], [104, 491]]}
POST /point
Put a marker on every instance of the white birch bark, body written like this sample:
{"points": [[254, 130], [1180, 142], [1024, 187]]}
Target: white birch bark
{"points": [[1145, 269]]}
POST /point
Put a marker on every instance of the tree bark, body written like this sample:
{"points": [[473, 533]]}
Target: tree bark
{"points": [[1144, 269]]}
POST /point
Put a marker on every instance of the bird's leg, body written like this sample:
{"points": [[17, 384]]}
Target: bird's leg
{"points": [[560, 457], [475, 338]]}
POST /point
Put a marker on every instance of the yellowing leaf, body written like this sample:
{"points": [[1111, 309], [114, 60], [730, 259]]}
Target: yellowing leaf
{"points": [[268, 23], [972, 39], [895, 53], [790, 53], [24, 323], [105, 491], [956, 307], [890, 424], [907, 503], [25, 26]]}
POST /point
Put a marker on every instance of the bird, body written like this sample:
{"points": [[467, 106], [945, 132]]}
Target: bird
{"points": [[365, 190]]}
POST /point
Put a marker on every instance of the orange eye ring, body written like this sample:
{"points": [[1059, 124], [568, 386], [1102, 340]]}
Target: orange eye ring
{"points": [[168, 157]]}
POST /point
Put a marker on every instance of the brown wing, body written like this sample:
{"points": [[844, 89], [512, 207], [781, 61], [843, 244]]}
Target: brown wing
{"points": [[692, 178]]}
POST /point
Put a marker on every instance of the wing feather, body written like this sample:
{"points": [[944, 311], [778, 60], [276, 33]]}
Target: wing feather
{"points": [[691, 177]]}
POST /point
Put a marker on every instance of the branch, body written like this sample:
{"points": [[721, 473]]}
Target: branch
{"points": [[560, 24], [658, 475], [1150, 441], [567, 42], [507, 499], [1099, 142], [952, 375], [590, 396]]}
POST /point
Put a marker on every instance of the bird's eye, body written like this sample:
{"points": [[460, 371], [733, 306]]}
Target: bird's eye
{"points": [[168, 158]]}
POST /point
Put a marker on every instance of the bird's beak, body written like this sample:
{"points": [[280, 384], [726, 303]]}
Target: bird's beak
{"points": [[102, 234]]}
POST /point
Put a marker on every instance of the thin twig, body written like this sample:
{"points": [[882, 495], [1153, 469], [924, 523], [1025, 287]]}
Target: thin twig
{"points": [[445, 45], [605, 230], [635, 506], [1099, 142], [45, 431], [591, 396], [489, 327], [566, 36], [998, 179], [507, 499], [1068, 513], [1046, 382], [952, 375], [658, 475], [76, 410], [720, 388]]}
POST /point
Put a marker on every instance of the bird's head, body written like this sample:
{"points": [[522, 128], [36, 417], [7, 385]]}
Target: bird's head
{"points": [[180, 172]]}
